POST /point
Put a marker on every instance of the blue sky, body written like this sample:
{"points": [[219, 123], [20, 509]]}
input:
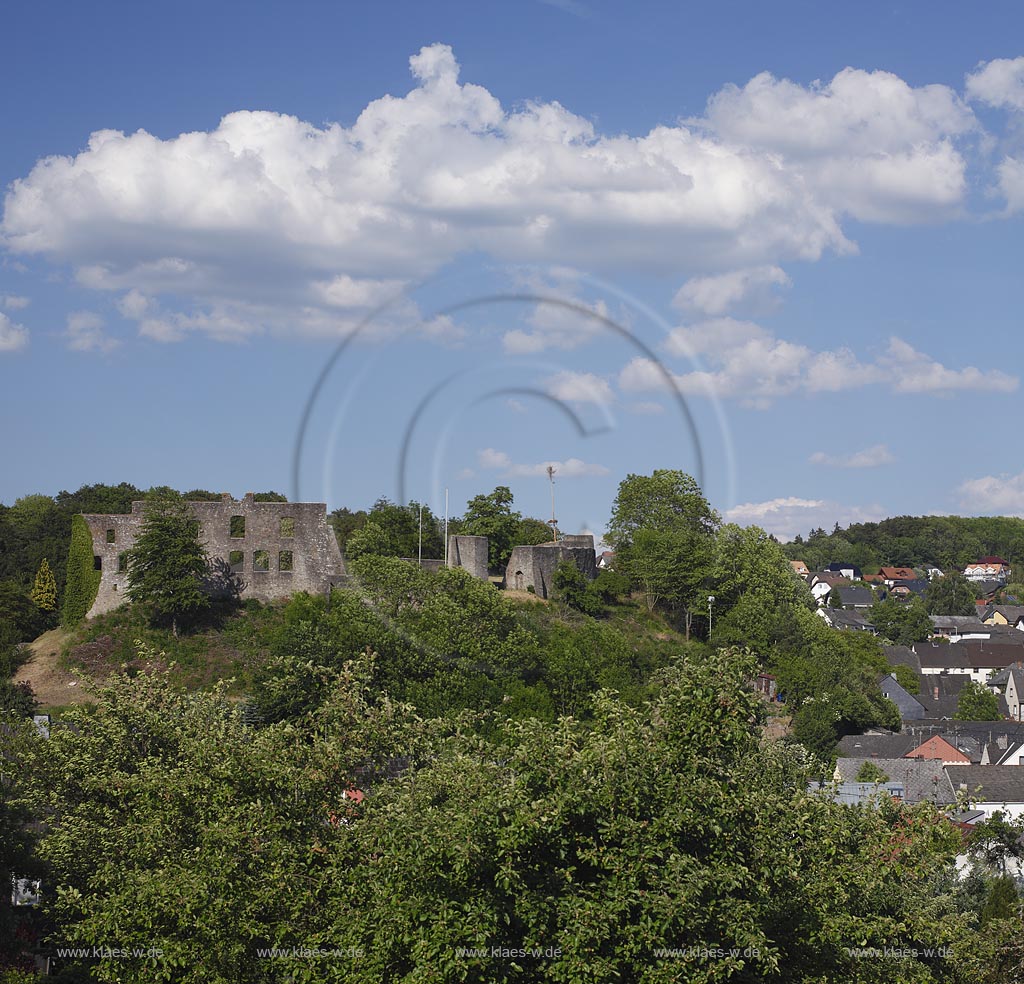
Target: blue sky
{"points": [[776, 245]]}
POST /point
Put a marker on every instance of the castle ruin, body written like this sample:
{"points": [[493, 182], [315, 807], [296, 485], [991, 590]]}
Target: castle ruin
{"points": [[261, 550], [534, 566]]}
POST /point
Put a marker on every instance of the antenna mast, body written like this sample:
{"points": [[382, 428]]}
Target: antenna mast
{"points": [[552, 522]]}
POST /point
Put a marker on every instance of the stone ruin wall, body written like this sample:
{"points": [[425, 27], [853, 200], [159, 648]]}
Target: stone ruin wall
{"points": [[316, 561], [534, 566]]}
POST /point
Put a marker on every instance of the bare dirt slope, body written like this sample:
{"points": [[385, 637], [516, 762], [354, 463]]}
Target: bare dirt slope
{"points": [[53, 686]]}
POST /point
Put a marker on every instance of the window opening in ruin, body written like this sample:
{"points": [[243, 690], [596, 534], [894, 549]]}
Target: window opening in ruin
{"points": [[261, 560], [237, 527], [97, 563], [287, 526], [236, 561], [111, 536], [284, 562]]}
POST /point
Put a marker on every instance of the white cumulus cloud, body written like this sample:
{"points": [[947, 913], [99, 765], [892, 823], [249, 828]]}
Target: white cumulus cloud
{"points": [[85, 333], [12, 336], [993, 494], [873, 457], [580, 387], [787, 516], [490, 458], [746, 361], [14, 302], [269, 222], [715, 295], [999, 82]]}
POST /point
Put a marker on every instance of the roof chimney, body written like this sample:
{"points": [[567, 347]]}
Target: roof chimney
{"points": [[935, 693]]}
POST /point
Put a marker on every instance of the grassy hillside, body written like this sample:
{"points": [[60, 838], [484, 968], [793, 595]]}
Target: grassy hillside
{"points": [[555, 657]]}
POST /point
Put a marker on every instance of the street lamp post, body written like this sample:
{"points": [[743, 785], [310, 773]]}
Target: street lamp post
{"points": [[711, 601]]}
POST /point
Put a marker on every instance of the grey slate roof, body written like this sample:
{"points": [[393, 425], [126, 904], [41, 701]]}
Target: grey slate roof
{"points": [[858, 596], [977, 653], [961, 622], [1010, 612], [877, 746], [924, 780], [840, 618], [902, 656], [999, 783], [910, 708], [862, 793], [1017, 672], [999, 678], [948, 686], [983, 731]]}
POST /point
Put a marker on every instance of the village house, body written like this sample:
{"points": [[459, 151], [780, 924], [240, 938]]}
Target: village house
{"points": [[956, 627], [842, 618], [988, 569], [1012, 615], [976, 659]]}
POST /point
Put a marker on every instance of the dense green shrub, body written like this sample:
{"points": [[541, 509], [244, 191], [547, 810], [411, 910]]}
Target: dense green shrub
{"points": [[83, 582]]}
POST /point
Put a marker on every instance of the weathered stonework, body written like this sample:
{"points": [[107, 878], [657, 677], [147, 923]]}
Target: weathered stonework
{"points": [[274, 533], [469, 553], [533, 566]]}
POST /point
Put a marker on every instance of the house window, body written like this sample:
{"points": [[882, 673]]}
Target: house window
{"points": [[237, 527], [236, 561], [287, 526], [261, 560], [284, 562], [111, 536]]}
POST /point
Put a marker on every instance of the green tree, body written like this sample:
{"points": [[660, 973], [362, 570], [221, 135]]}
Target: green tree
{"points": [[835, 598], [870, 772], [391, 530], [997, 841], [663, 532], [20, 619], [756, 592], [977, 703], [18, 699], [901, 622], [492, 516], [345, 522], [83, 579], [906, 678], [572, 587], [600, 843], [167, 566], [44, 589], [1002, 902], [950, 595]]}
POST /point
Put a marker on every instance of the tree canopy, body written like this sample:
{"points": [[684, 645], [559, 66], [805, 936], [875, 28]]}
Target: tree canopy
{"points": [[168, 566], [663, 532], [598, 851], [977, 703]]}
